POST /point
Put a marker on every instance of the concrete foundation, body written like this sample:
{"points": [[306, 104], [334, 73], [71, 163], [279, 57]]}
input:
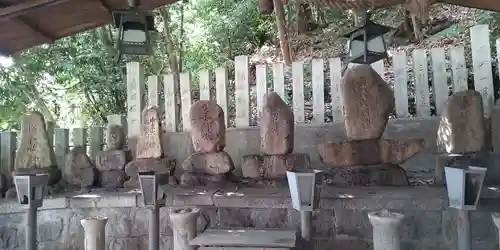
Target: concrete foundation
{"points": [[385, 230], [184, 227], [95, 233]]}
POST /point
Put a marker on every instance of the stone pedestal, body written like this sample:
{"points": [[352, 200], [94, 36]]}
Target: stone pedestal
{"points": [[385, 229], [95, 233], [184, 227], [373, 175]]}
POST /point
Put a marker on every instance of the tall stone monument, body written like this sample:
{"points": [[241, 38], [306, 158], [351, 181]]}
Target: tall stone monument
{"points": [[149, 150], [209, 164], [277, 140], [35, 154], [366, 159], [111, 162]]}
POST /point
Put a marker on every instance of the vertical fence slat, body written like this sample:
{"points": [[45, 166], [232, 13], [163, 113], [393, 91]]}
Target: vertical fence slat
{"points": [[336, 90], [50, 126], [459, 69], [481, 61], [96, 141], [318, 85], [279, 80], [440, 79], [241, 91], [61, 145], [80, 137], [205, 84], [298, 91], [261, 81], [221, 82], [135, 89], [420, 70], [8, 141], [153, 91], [379, 67], [185, 88], [171, 114], [400, 62]]}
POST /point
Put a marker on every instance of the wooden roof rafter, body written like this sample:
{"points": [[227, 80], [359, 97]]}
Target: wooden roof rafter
{"points": [[48, 38]]}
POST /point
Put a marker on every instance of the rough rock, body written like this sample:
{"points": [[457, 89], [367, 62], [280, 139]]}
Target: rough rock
{"points": [[200, 179], [208, 129], [209, 163], [158, 165], [112, 179], [78, 168], [273, 166], [462, 128], [111, 159], [369, 152], [35, 150], [368, 101], [115, 137], [379, 175], [149, 142], [276, 126]]}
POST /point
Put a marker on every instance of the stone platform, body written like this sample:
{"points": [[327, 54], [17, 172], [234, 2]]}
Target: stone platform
{"points": [[341, 223]]}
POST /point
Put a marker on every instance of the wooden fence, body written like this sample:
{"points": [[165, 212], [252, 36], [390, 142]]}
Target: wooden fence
{"points": [[246, 91]]}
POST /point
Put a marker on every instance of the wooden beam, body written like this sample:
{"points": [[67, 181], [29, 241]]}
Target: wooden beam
{"points": [[27, 6], [31, 26], [105, 6]]}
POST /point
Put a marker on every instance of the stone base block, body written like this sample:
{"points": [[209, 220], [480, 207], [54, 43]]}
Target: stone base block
{"points": [[209, 163], [368, 152], [158, 165], [112, 159], [112, 179], [273, 166], [201, 179], [53, 172], [379, 175]]}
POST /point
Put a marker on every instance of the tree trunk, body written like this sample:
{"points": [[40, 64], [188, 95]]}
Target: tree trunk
{"points": [[181, 44], [172, 56], [280, 22], [303, 16]]}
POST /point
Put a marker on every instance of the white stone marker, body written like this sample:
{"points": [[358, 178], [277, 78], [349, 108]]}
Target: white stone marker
{"points": [[385, 230], [95, 233], [184, 227]]}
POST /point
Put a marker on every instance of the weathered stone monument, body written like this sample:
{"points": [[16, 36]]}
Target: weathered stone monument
{"points": [[111, 162], [149, 150], [365, 158], [35, 154], [277, 139], [209, 164], [78, 169], [461, 136]]}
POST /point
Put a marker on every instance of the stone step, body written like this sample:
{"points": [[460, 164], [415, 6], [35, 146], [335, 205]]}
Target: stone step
{"points": [[241, 248], [250, 238]]}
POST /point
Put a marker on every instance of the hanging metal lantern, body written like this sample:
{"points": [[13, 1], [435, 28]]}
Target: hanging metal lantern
{"points": [[366, 44], [133, 26]]}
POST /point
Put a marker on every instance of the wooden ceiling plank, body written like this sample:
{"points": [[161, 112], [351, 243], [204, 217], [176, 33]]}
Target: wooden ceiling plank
{"points": [[105, 6], [27, 6], [36, 29]]}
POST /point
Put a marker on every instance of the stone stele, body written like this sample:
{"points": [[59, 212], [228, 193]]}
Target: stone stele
{"points": [[78, 168], [149, 142], [368, 101], [462, 127], [35, 150], [115, 137], [209, 163], [276, 126], [208, 128]]}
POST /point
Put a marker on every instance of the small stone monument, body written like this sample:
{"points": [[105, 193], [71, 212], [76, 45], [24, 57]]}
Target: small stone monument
{"points": [[209, 164], [149, 150], [277, 139], [461, 135], [111, 162], [78, 168], [35, 154], [366, 159]]}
